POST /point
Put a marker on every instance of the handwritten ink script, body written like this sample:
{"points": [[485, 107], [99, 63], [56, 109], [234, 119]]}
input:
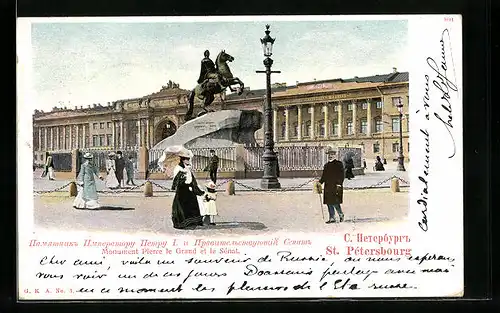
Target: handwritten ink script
{"points": [[235, 268], [440, 80]]}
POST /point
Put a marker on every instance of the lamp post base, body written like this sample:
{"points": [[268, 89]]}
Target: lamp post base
{"points": [[270, 183], [401, 164]]}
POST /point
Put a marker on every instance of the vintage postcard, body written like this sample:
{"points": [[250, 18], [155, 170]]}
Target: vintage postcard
{"points": [[240, 157]]}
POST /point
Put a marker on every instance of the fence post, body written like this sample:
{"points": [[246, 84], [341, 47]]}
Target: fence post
{"points": [[142, 162], [74, 162], [395, 184]]}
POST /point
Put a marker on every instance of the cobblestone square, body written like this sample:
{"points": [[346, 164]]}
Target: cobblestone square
{"points": [[244, 213]]}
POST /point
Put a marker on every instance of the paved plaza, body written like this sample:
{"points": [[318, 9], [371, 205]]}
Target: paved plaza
{"points": [[247, 212]]}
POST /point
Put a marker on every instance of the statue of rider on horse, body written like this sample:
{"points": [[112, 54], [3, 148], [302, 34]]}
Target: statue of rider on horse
{"points": [[214, 78]]}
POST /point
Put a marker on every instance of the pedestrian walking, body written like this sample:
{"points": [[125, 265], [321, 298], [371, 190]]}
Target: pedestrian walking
{"points": [[87, 190], [213, 165], [120, 166], [333, 178], [129, 167], [111, 180], [378, 164], [49, 166], [349, 165], [209, 209]]}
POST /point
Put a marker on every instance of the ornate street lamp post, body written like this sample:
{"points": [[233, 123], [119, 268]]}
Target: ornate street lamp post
{"points": [[269, 179], [401, 158]]}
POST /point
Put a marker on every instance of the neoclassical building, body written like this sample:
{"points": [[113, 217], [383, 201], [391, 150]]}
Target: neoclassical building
{"points": [[360, 111]]}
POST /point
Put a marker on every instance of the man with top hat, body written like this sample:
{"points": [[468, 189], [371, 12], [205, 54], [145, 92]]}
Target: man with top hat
{"points": [[120, 166], [87, 193], [333, 178]]}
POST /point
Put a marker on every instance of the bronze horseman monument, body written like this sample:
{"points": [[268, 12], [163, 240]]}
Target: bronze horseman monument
{"points": [[209, 129]]}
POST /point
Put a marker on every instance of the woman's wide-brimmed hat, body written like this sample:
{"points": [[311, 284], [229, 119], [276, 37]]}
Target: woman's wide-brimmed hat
{"points": [[210, 185], [111, 154], [88, 155]]}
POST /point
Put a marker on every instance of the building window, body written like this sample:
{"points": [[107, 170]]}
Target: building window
{"points": [[109, 124], [379, 126], [349, 127], [336, 108], [379, 104], [395, 124], [307, 129], [101, 125], [408, 147], [396, 100], [322, 128], [109, 139], [376, 147], [364, 126], [395, 147], [94, 141], [94, 125], [283, 129], [86, 141], [36, 157], [365, 105], [101, 141], [335, 128], [349, 107], [296, 129]]}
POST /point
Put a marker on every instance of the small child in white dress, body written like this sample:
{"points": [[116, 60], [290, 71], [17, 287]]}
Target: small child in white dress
{"points": [[209, 198]]}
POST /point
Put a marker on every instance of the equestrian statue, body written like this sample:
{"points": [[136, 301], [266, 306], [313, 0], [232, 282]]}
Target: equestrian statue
{"points": [[214, 79]]}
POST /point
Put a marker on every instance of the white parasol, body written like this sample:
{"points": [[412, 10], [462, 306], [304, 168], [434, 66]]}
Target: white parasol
{"points": [[170, 158]]}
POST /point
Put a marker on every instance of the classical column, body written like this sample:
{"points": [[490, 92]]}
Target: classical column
{"points": [[58, 142], [84, 135], [122, 142], [52, 138], [113, 125], [313, 135], [275, 125], [148, 134], [354, 122], [340, 117], [287, 124], [299, 122], [125, 135], [45, 138], [39, 139], [369, 118], [326, 122], [139, 133], [77, 136], [70, 137], [64, 138]]}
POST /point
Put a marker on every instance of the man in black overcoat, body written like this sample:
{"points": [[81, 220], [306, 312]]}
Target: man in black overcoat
{"points": [[333, 178], [120, 166]]}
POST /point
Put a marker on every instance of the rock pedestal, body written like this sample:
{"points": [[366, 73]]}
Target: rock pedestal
{"points": [[224, 128]]}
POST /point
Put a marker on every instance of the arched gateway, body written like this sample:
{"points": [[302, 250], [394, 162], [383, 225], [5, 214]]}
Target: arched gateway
{"points": [[165, 128]]}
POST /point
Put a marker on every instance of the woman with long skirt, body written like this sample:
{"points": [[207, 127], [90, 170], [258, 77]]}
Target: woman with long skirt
{"points": [[185, 207], [87, 193]]}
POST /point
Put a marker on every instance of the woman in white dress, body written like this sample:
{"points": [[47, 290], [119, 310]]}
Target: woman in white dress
{"points": [[111, 180]]}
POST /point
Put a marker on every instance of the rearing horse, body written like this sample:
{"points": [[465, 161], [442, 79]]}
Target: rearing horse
{"points": [[212, 87]]}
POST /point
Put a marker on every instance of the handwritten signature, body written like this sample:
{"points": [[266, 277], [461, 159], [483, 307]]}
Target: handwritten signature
{"points": [[445, 83]]}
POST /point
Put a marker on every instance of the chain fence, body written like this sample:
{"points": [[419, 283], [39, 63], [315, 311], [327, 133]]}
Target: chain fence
{"points": [[236, 182]]}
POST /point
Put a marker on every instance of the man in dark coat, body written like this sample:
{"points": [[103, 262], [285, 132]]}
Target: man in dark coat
{"points": [[213, 166], [120, 166], [333, 178]]}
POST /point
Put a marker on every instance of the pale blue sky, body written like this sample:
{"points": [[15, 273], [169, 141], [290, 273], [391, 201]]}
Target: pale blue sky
{"points": [[85, 63]]}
